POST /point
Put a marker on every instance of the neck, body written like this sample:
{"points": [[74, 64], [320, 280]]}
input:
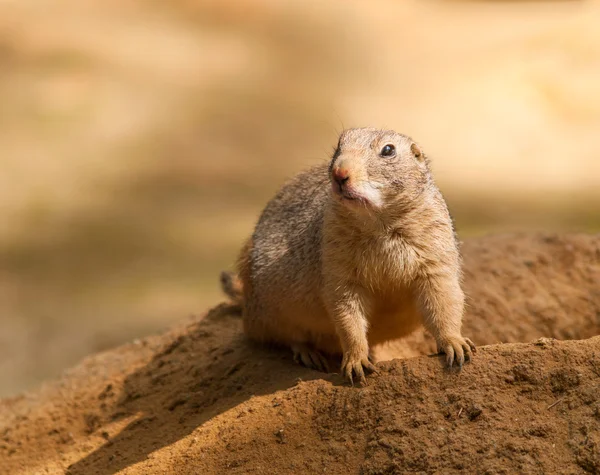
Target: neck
{"points": [[392, 218]]}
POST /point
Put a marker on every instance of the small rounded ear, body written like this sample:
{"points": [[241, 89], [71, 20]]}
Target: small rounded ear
{"points": [[416, 151]]}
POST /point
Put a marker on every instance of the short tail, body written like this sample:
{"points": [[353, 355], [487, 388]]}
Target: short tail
{"points": [[232, 286]]}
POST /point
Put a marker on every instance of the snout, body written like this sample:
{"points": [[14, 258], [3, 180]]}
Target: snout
{"points": [[340, 176], [351, 185], [343, 182]]}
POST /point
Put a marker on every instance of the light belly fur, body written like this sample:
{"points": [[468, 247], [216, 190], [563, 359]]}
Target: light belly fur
{"points": [[392, 316]]}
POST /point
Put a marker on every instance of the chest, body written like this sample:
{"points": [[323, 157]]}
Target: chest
{"points": [[382, 265]]}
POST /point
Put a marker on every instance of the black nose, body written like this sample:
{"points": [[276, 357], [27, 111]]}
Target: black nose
{"points": [[340, 175]]}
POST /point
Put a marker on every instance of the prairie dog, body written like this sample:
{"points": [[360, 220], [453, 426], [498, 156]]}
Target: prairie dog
{"points": [[354, 254]]}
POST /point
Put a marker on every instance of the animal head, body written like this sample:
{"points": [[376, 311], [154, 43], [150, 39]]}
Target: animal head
{"points": [[374, 169]]}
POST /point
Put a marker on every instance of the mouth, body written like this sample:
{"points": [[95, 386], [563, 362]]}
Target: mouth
{"points": [[348, 194]]}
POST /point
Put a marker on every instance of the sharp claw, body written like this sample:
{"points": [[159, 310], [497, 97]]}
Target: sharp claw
{"points": [[309, 358], [471, 345], [461, 360], [316, 358], [468, 354], [459, 351], [372, 368], [449, 356], [348, 374], [356, 369], [359, 374]]}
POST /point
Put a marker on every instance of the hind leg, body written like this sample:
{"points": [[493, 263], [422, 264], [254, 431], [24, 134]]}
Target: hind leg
{"points": [[304, 354], [309, 357]]}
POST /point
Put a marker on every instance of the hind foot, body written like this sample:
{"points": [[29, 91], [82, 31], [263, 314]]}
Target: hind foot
{"points": [[310, 358]]}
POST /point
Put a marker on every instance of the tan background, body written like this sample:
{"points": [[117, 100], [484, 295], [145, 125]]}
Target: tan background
{"points": [[139, 140]]}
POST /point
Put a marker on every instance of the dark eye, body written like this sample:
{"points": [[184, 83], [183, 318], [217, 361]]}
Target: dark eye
{"points": [[388, 151]]}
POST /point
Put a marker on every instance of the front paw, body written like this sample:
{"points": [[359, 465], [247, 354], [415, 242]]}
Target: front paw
{"points": [[355, 363], [457, 349]]}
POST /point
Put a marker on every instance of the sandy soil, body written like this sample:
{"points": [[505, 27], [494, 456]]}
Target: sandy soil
{"points": [[200, 399]]}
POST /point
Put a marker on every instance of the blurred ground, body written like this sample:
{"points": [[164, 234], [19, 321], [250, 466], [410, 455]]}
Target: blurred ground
{"points": [[139, 140]]}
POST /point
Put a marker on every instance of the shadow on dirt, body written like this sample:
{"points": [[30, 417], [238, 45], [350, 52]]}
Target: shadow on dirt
{"points": [[202, 373]]}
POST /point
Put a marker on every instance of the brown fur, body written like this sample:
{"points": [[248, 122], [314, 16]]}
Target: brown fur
{"points": [[337, 268]]}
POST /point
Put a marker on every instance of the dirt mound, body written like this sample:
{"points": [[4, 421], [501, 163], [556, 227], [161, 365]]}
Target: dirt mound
{"points": [[200, 399]]}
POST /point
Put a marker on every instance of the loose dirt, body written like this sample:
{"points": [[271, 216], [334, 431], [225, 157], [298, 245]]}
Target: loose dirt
{"points": [[200, 399]]}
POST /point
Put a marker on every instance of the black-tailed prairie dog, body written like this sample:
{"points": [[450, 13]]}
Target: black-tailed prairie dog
{"points": [[354, 254]]}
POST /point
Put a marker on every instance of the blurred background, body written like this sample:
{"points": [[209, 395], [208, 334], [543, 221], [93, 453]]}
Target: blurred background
{"points": [[139, 140]]}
